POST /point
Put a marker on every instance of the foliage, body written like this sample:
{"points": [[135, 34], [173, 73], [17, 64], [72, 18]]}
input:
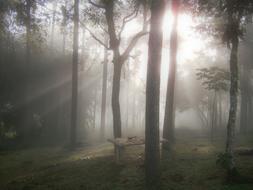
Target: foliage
{"points": [[213, 16], [214, 78]]}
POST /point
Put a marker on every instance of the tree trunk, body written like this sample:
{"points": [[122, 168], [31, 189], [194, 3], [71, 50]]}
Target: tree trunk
{"points": [[152, 150], [115, 99], [249, 114], [169, 117], [53, 25], [104, 92], [127, 94], [74, 77], [233, 106], [133, 111], [244, 116], [64, 25], [83, 58], [27, 104], [220, 111]]}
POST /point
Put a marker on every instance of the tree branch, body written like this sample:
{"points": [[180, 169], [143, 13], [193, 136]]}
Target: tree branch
{"points": [[96, 5], [94, 36], [127, 19], [133, 43]]}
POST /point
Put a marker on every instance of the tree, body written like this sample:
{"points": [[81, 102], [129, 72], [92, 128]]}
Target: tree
{"points": [[245, 59], [74, 76], [26, 18], [104, 91], [231, 14], [65, 18], [169, 117], [216, 80], [152, 153], [119, 58]]}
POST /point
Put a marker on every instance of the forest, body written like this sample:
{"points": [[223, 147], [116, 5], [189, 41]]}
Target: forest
{"points": [[126, 95]]}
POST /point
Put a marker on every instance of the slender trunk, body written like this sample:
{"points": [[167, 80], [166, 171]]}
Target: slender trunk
{"points": [[213, 117], [117, 62], [133, 111], [95, 108], [83, 61], [220, 111], [152, 149], [249, 114], [27, 91], [64, 28], [74, 76], [244, 101], [53, 24], [115, 100], [104, 92], [233, 105], [127, 99], [169, 118]]}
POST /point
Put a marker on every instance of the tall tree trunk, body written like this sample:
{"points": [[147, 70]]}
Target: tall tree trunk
{"points": [[214, 116], [220, 111], [244, 100], [118, 61], [64, 25], [115, 100], [233, 102], [169, 117], [127, 93], [83, 58], [95, 108], [133, 111], [249, 114], [104, 92], [152, 150], [27, 113], [74, 76], [53, 24]]}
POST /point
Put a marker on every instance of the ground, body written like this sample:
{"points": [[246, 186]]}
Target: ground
{"points": [[192, 167]]}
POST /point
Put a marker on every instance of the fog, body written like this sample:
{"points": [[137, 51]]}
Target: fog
{"points": [[168, 84]]}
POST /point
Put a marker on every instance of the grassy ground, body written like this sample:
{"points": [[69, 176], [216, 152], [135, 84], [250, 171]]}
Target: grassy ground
{"points": [[192, 167]]}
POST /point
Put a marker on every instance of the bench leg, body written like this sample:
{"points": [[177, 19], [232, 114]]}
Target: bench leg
{"points": [[118, 153]]}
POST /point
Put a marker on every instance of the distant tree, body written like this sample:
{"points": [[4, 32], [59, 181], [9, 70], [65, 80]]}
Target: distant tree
{"points": [[104, 90], [152, 150], [245, 58], [214, 79], [169, 117], [74, 76], [26, 18]]}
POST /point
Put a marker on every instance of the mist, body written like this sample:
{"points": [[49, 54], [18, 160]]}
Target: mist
{"points": [[130, 94]]}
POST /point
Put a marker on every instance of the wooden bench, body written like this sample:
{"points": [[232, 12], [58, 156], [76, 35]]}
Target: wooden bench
{"points": [[121, 143]]}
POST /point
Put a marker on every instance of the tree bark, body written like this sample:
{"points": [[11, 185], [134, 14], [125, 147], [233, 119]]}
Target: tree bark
{"points": [[115, 100], [118, 61], [233, 104], [27, 104], [152, 150], [169, 117], [104, 92], [64, 25], [74, 77], [244, 115], [53, 25]]}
